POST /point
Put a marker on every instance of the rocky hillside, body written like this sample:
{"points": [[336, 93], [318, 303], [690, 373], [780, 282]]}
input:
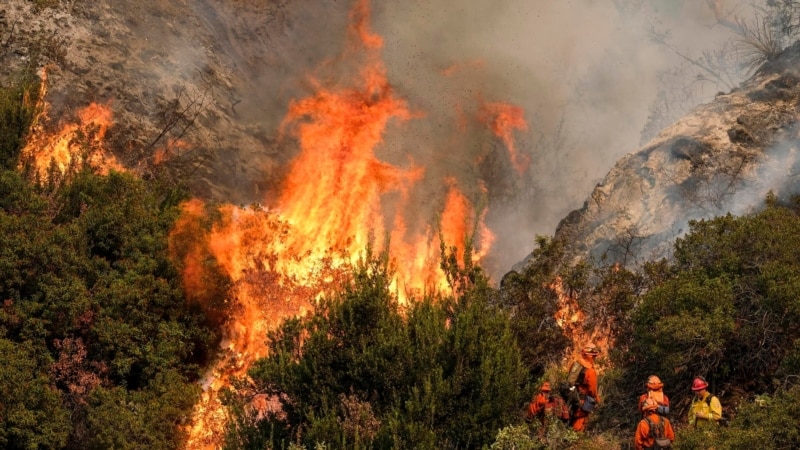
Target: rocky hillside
{"points": [[204, 78], [206, 82], [723, 157]]}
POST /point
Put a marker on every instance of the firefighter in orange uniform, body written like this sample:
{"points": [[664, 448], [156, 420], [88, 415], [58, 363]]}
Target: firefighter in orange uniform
{"points": [[539, 402], [545, 405], [653, 427], [655, 390], [587, 388]]}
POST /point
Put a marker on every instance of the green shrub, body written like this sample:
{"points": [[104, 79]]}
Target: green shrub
{"points": [[17, 111], [361, 373]]}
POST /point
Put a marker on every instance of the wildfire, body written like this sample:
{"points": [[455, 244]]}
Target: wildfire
{"points": [[337, 199], [74, 144], [571, 319], [173, 147], [504, 119]]}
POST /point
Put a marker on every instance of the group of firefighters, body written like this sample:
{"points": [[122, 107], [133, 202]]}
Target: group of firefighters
{"points": [[654, 430]]}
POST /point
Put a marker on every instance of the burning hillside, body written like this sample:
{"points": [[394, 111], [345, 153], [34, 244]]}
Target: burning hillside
{"points": [[337, 200], [339, 151]]}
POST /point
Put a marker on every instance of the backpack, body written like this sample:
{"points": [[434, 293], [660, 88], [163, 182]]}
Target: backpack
{"points": [[721, 420], [657, 432], [576, 374], [560, 410]]}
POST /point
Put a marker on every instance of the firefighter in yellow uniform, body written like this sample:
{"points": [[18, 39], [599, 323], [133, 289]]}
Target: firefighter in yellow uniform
{"points": [[706, 410]]}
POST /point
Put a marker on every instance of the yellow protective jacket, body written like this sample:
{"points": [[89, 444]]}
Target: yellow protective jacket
{"points": [[708, 406]]}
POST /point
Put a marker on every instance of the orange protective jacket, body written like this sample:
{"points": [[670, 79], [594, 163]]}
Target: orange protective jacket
{"points": [[589, 385], [537, 405], [643, 440]]}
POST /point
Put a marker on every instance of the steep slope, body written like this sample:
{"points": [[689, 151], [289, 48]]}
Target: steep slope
{"points": [[201, 83], [723, 157]]}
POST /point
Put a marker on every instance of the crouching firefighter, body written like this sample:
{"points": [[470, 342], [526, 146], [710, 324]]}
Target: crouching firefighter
{"points": [[583, 392], [547, 406]]}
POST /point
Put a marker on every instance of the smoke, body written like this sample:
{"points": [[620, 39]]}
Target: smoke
{"points": [[585, 73]]}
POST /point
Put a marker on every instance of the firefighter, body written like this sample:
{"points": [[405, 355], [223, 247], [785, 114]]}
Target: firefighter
{"points": [[546, 405], [654, 430], [655, 390], [586, 386], [706, 410]]}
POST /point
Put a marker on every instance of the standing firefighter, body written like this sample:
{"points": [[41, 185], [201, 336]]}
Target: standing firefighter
{"points": [[653, 431], [655, 391], [706, 410], [546, 405], [583, 379]]}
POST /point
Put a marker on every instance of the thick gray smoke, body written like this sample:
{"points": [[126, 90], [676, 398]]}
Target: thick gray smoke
{"points": [[585, 72]]}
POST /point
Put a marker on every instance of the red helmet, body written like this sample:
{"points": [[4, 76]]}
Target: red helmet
{"points": [[653, 382], [699, 384], [649, 405], [545, 386]]}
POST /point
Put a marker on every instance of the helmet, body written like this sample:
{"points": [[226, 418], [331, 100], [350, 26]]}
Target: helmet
{"points": [[653, 382], [649, 405], [545, 387], [699, 384], [590, 349]]}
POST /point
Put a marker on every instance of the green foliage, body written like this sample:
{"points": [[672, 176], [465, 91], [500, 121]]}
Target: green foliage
{"points": [[768, 422], [363, 373], [515, 437], [726, 307], [90, 293], [31, 412], [17, 110], [533, 305], [146, 418]]}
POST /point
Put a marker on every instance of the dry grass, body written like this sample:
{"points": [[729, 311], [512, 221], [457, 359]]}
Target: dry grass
{"points": [[759, 42]]}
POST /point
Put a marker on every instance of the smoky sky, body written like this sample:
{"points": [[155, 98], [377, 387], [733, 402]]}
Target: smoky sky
{"points": [[585, 72]]}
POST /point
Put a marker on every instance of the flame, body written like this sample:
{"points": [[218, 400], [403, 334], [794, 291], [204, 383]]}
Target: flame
{"points": [[504, 119], [173, 147], [73, 144], [571, 319], [337, 199]]}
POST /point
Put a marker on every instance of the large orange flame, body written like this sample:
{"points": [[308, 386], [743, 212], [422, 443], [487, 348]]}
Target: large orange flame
{"points": [[571, 318], [337, 200]]}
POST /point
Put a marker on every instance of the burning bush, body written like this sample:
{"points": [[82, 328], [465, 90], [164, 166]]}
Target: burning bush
{"points": [[439, 373]]}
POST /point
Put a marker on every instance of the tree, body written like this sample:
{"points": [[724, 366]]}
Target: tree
{"points": [[31, 414], [725, 308], [94, 313], [361, 372]]}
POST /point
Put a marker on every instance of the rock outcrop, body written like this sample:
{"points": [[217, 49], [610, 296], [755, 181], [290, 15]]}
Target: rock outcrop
{"points": [[723, 157]]}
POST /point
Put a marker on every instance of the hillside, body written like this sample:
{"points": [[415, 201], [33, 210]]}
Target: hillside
{"points": [[263, 224], [198, 81], [723, 157]]}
